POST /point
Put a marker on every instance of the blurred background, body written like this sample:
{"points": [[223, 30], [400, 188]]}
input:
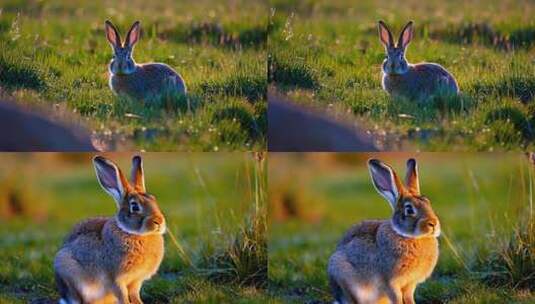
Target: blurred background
{"points": [[213, 204], [484, 202]]}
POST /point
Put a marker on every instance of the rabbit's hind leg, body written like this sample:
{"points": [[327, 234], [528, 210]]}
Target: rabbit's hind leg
{"points": [[64, 267], [68, 294], [394, 294]]}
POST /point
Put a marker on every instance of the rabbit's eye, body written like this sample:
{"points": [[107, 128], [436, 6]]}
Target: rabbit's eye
{"points": [[409, 210], [134, 207]]}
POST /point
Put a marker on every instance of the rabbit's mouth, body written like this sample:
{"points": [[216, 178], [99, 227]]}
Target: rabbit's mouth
{"points": [[154, 226], [161, 229], [429, 227]]}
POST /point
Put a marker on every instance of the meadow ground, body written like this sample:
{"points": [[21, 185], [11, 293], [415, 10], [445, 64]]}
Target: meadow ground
{"points": [[215, 245], [54, 54], [327, 54], [484, 202]]}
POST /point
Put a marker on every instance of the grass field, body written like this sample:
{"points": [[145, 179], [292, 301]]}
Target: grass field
{"points": [[484, 202], [54, 54], [214, 207], [327, 54]]}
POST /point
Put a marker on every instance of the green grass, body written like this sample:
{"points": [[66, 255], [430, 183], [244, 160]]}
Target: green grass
{"points": [[483, 200], [214, 206], [55, 53], [327, 54]]}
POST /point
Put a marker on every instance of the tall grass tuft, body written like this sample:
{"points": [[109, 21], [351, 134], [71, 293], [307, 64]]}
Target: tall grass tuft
{"points": [[244, 261], [512, 261]]}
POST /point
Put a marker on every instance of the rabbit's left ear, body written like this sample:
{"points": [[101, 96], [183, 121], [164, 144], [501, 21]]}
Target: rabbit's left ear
{"points": [[138, 178], [385, 35], [133, 34], [111, 179], [411, 179], [406, 35], [112, 35], [385, 181]]}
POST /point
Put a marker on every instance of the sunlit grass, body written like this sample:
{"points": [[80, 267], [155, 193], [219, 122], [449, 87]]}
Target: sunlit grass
{"points": [[327, 53], [55, 53]]}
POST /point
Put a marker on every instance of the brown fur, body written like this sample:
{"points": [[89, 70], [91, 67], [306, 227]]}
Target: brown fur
{"points": [[149, 80], [416, 81], [138, 81], [373, 262], [99, 261]]}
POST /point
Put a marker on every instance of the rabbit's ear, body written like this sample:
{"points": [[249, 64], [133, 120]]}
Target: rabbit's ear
{"points": [[406, 35], [112, 34], [111, 178], [385, 181], [138, 178], [385, 35], [133, 35], [411, 179]]}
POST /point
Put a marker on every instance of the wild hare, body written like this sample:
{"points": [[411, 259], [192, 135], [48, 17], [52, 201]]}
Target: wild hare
{"points": [[138, 81], [414, 81], [380, 261], [106, 259]]}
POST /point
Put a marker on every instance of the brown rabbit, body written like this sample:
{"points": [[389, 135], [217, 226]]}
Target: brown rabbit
{"points": [[106, 259], [139, 81], [400, 78], [381, 260]]}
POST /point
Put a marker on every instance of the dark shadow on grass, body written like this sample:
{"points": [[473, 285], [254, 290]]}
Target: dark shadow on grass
{"points": [[5, 25], [155, 107], [291, 73], [252, 87], [431, 108], [516, 86], [145, 112], [18, 74], [486, 34], [212, 33], [513, 116], [240, 114]]}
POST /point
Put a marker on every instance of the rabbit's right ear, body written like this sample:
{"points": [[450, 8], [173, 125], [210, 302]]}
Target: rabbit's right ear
{"points": [[406, 35], [385, 35], [133, 35], [111, 178], [385, 181], [411, 179], [113, 35], [137, 177]]}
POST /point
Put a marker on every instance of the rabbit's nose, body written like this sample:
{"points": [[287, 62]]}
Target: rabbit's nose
{"points": [[433, 224]]}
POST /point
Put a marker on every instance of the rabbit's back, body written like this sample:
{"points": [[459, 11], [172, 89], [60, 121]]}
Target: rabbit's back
{"points": [[421, 79], [89, 228], [148, 80]]}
